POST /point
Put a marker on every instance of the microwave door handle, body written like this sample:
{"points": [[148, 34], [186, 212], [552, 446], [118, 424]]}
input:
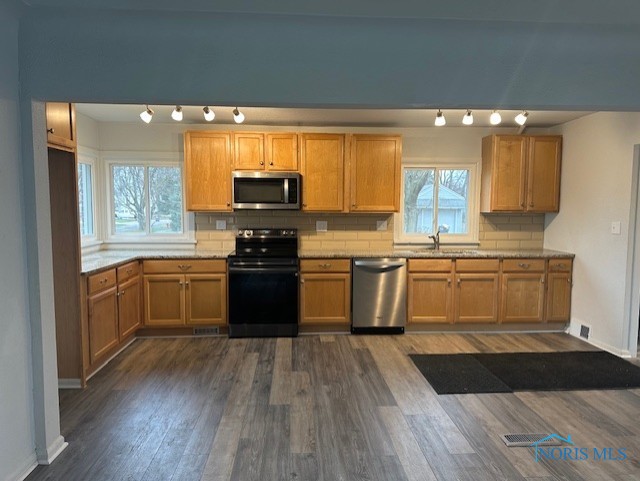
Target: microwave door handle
{"points": [[286, 191]]}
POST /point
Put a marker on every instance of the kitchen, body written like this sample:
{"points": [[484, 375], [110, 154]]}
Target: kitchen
{"points": [[562, 79]]}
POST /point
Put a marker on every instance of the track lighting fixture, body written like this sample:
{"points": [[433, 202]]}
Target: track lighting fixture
{"points": [[521, 118], [209, 114], [495, 118], [440, 120], [238, 116], [146, 115], [468, 118], [177, 114]]}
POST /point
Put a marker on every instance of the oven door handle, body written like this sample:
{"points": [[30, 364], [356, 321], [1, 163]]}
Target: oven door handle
{"points": [[263, 270]]}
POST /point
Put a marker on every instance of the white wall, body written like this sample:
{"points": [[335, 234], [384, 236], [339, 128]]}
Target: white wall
{"points": [[87, 132], [597, 165], [17, 452]]}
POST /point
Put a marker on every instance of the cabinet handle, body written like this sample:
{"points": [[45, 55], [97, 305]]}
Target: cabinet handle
{"points": [[184, 267], [51, 130], [560, 266], [459, 282], [448, 282], [324, 266], [523, 265]]}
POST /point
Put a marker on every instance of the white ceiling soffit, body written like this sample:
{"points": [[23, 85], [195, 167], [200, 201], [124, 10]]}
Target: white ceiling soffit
{"points": [[547, 11], [398, 118]]}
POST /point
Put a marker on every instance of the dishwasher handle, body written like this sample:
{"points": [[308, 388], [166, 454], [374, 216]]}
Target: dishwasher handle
{"points": [[379, 265]]}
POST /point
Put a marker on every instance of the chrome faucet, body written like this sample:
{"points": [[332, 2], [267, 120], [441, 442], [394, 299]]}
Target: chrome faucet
{"points": [[436, 240]]}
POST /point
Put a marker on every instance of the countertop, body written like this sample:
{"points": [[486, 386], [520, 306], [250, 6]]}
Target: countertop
{"points": [[98, 261]]}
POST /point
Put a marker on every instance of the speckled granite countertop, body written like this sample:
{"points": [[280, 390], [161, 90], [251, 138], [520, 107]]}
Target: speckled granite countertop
{"points": [[446, 253], [112, 258]]}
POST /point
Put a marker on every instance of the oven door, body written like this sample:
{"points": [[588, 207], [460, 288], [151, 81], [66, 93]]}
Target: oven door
{"points": [[263, 298]]}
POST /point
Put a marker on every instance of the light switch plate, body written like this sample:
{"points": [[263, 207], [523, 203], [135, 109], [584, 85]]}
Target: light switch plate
{"points": [[321, 226], [381, 225], [616, 227], [221, 224]]}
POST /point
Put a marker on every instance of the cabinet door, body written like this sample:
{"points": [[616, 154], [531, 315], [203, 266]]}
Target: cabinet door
{"points": [[282, 151], [522, 297], [430, 298], [325, 298], [476, 298], [206, 299], [129, 307], [61, 120], [375, 173], [543, 177], [248, 151], [207, 165], [322, 166], [508, 173], [103, 322], [164, 300], [558, 296]]}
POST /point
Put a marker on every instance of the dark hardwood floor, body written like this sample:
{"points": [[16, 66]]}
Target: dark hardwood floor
{"points": [[326, 408]]}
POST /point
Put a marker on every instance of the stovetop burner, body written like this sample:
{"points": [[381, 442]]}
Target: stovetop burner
{"points": [[261, 242]]}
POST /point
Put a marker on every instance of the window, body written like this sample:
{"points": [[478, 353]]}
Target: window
{"points": [[438, 198], [146, 200], [85, 199]]}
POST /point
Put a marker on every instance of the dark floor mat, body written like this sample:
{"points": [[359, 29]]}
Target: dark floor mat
{"points": [[526, 371], [457, 374]]}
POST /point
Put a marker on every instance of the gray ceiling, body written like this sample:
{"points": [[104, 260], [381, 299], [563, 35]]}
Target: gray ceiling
{"points": [[555, 11]]}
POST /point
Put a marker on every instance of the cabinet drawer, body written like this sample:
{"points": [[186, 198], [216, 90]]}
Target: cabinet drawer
{"points": [[128, 271], [523, 265], [477, 265], [184, 266], [325, 265], [560, 265], [101, 280], [430, 265]]}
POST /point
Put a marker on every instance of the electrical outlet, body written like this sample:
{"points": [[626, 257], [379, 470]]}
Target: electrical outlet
{"points": [[321, 226], [221, 224], [381, 225], [616, 227]]}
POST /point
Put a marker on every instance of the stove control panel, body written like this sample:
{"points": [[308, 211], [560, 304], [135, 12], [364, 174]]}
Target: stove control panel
{"points": [[279, 233]]}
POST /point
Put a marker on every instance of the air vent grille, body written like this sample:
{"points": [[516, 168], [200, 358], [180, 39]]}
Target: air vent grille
{"points": [[584, 331], [514, 440], [205, 331]]}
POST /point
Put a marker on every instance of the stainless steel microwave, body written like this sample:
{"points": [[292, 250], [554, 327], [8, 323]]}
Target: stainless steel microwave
{"points": [[266, 190]]}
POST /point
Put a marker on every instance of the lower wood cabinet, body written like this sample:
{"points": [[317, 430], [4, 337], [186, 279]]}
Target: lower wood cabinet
{"points": [[429, 291], [523, 290], [129, 307], [175, 299], [476, 297], [559, 282], [103, 322], [325, 291]]}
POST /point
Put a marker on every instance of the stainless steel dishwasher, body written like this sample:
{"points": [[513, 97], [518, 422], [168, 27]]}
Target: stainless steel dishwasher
{"points": [[379, 296]]}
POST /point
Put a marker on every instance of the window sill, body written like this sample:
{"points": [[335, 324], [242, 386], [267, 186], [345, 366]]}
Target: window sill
{"points": [[138, 243]]}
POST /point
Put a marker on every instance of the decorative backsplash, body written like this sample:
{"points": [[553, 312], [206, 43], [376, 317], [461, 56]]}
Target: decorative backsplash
{"points": [[359, 231]]}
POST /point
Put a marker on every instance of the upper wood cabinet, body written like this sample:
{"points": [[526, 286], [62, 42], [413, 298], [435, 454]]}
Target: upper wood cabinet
{"points": [[521, 173], [61, 125], [322, 168], [375, 173], [265, 151], [207, 171]]}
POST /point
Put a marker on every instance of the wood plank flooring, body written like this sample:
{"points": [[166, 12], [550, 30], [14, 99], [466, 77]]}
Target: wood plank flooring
{"points": [[327, 408]]}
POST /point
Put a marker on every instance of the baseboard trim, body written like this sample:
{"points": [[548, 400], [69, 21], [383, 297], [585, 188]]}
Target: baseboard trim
{"points": [[111, 358], [69, 384], [53, 451], [25, 470]]}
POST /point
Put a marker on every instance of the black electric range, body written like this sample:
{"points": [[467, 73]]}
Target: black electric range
{"points": [[263, 284]]}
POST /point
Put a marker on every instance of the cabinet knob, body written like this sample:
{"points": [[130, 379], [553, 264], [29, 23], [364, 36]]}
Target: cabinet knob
{"points": [[186, 283], [523, 265], [270, 163], [228, 204], [179, 283], [184, 267], [118, 294], [301, 281], [324, 266], [459, 282], [51, 130], [129, 271], [353, 205], [304, 205], [530, 204], [449, 282], [261, 162], [521, 204], [542, 280]]}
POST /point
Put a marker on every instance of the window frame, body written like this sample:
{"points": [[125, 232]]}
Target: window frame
{"points": [[90, 158], [473, 203], [146, 160]]}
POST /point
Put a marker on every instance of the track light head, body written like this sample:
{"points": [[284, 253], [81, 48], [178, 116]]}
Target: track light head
{"points": [[521, 118], [495, 118], [440, 120], [146, 115], [468, 118], [209, 114], [177, 114], [238, 116]]}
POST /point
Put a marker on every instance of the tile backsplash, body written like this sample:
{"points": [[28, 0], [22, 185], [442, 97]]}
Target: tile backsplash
{"points": [[359, 231]]}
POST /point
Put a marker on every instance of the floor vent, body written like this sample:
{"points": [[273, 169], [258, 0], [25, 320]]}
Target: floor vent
{"points": [[584, 331], [527, 439], [205, 331]]}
